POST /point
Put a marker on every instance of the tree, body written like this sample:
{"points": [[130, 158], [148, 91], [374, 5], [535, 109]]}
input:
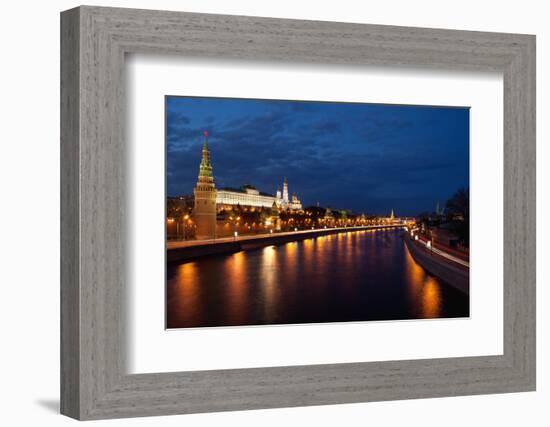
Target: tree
{"points": [[459, 204], [458, 208], [173, 209]]}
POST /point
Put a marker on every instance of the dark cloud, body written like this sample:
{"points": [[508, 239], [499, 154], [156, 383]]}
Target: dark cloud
{"points": [[361, 156]]}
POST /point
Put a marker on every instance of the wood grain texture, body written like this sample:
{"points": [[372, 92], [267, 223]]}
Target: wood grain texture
{"points": [[94, 382], [70, 297]]}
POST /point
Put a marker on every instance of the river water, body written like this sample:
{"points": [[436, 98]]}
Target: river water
{"points": [[351, 276]]}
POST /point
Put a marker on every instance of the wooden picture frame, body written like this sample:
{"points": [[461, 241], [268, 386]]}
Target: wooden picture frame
{"points": [[94, 382]]}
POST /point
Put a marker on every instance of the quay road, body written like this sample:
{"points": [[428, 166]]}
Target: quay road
{"points": [[183, 251], [300, 233], [448, 253], [447, 267]]}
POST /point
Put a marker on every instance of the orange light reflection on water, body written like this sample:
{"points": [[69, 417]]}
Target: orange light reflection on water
{"points": [[272, 284], [236, 274], [186, 289], [431, 298], [424, 290], [308, 246], [268, 281], [290, 254]]}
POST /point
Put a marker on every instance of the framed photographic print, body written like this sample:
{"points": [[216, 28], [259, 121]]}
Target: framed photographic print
{"points": [[355, 243], [262, 213]]}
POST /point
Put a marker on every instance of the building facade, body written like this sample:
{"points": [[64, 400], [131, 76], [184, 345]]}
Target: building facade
{"points": [[248, 195], [244, 196], [204, 211], [208, 201]]}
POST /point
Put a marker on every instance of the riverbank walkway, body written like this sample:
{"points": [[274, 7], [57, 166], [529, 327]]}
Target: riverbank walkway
{"points": [[170, 245], [447, 253], [449, 268]]}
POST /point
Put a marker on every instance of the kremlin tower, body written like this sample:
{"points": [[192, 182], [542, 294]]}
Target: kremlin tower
{"points": [[276, 218], [205, 197]]}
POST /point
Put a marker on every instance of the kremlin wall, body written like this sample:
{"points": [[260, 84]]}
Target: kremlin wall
{"points": [[216, 213]]}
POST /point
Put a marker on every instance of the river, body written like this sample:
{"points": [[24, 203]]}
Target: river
{"points": [[350, 276]]}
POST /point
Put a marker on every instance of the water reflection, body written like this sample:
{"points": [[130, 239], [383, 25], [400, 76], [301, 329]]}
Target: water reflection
{"points": [[344, 277], [424, 290], [234, 269], [184, 290], [268, 281], [431, 298]]}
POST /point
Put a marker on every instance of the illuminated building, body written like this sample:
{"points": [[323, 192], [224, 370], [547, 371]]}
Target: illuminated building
{"points": [[295, 204], [392, 219], [208, 200], [275, 218], [329, 217], [285, 191], [205, 197], [248, 195], [244, 196]]}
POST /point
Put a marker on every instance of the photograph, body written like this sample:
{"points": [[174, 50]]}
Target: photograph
{"points": [[262, 215], [297, 212]]}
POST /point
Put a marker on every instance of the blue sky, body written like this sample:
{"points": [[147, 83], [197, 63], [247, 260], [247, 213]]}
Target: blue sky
{"points": [[365, 157]]}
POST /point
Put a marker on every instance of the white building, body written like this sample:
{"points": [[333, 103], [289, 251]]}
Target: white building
{"points": [[248, 195]]}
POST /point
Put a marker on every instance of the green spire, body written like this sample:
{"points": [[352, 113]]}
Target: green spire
{"points": [[205, 168], [274, 209]]}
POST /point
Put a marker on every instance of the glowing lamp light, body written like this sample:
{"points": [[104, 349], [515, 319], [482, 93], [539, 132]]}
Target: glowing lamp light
{"points": [[415, 237], [295, 229], [271, 231], [236, 233], [429, 244]]}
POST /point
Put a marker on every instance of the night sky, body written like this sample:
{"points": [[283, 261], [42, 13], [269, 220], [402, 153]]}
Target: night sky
{"points": [[365, 157]]}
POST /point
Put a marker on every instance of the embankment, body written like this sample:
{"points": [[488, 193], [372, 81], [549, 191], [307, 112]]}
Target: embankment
{"points": [[455, 275], [227, 246]]}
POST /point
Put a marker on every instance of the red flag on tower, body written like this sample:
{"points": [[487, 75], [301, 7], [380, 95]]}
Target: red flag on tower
{"points": [[206, 133]]}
